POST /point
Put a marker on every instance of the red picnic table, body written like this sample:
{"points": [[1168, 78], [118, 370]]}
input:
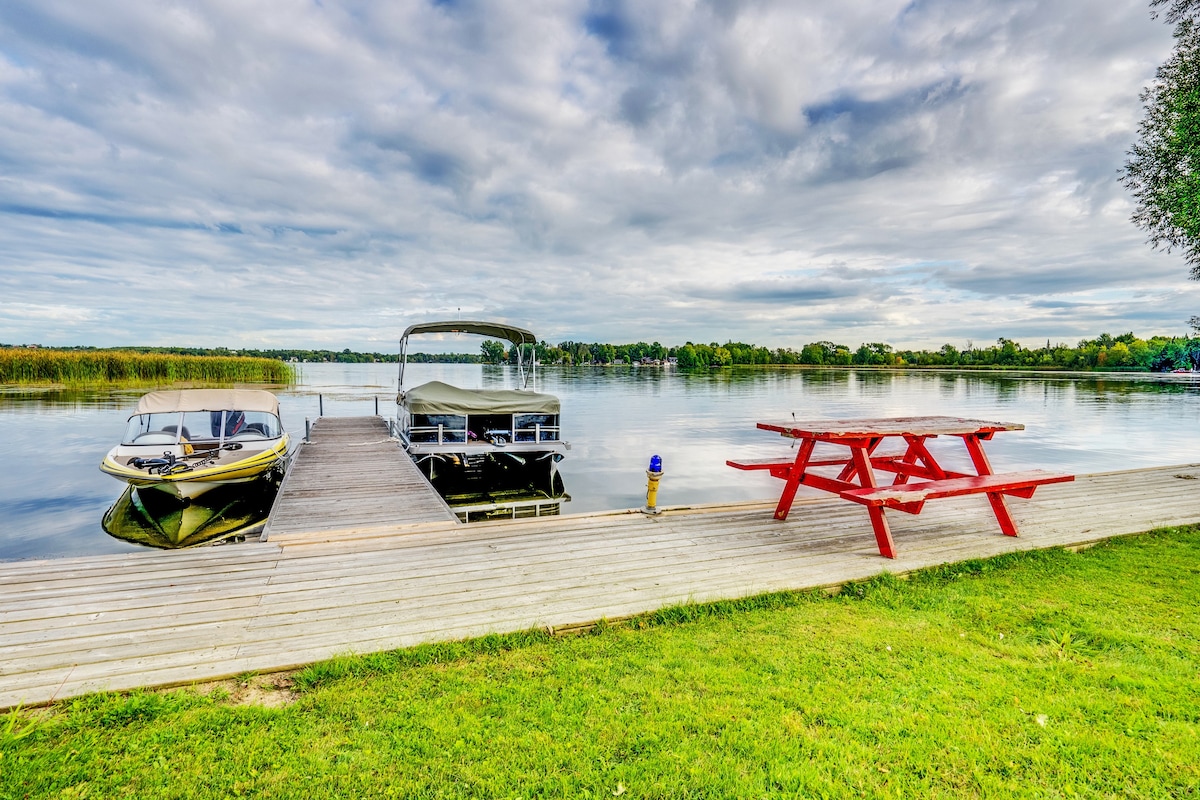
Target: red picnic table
{"points": [[855, 479]]}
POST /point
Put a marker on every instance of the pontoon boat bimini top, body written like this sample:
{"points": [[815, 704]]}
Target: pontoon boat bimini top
{"points": [[518, 336]]}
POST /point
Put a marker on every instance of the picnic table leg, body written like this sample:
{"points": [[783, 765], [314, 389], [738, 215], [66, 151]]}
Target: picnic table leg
{"points": [[793, 479], [883, 533], [851, 468], [917, 452], [984, 467], [910, 458]]}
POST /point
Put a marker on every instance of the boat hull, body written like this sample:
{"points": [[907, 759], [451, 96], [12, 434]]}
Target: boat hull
{"points": [[190, 484]]}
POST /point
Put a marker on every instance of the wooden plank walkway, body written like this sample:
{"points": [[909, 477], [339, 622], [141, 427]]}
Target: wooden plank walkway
{"points": [[352, 474], [72, 626]]}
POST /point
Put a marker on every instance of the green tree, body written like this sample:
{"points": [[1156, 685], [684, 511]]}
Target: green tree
{"points": [[812, 354], [1010, 352], [687, 356], [874, 354], [1163, 169], [1119, 356], [492, 352]]}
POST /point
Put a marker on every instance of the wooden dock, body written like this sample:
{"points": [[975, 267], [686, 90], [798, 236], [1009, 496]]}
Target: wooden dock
{"points": [[78, 625], [352, 474]]}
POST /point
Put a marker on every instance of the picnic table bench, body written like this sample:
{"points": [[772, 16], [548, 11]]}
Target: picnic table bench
{"points": [[856, 479]]}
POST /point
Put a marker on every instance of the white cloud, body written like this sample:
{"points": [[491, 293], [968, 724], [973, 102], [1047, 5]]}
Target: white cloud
{"points": [[325, 173]]}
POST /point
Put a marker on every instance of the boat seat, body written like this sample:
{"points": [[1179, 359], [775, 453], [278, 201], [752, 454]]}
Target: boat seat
{"points": [[154, 437], [183, 439]]}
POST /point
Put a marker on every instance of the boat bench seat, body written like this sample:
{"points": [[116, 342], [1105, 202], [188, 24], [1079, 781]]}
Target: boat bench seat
{"points": [[761, 463], [778, 469]]}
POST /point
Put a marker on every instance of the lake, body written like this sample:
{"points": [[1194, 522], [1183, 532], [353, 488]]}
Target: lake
{"points": [[53, 496]]}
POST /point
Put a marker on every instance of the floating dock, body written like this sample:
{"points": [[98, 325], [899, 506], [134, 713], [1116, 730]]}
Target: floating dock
{"points": [[351, 474], [161, 618]]}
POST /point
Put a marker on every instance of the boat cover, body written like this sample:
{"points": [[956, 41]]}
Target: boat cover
{"points": [[436, 397], [172, 400]]}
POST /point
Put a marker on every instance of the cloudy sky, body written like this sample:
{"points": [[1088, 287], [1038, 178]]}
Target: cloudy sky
{"points": [[322, 173]]}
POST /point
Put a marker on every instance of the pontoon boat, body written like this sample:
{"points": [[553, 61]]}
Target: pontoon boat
{"points": [[499, 435]]}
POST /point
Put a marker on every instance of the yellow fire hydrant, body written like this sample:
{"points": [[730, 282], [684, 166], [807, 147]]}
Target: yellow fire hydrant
{"points": [[653, 475]]}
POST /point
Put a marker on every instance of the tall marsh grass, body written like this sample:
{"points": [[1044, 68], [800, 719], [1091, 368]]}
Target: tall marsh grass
{"points": [[32, 367]]}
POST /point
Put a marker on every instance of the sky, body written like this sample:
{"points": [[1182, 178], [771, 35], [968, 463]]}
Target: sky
{"points": [[322, 174]]}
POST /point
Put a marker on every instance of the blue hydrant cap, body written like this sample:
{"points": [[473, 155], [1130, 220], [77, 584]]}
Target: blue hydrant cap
{"points": [[655, 463]]}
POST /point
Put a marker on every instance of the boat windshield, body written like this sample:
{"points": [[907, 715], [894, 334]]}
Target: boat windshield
{"points": [[201, 426]]}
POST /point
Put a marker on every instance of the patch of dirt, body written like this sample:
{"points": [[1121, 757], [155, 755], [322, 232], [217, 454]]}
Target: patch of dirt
{"points": [[269, 691]]}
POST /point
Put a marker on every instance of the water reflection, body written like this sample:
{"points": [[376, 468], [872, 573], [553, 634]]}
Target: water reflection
{"points": [[62, 400], [158, 519], [531, 490], [500, 503]]}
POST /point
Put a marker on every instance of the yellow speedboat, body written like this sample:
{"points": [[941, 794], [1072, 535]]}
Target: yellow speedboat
{"points": [[188, 441]]}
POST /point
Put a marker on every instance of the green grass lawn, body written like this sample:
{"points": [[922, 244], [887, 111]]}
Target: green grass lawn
{"points": [[1048, 674]]}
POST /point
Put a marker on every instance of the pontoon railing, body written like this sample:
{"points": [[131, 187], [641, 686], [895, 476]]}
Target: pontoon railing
{"points": [[443, 434]]}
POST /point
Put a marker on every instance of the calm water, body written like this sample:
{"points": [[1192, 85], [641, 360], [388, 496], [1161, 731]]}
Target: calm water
{"points": [[52, 495]]}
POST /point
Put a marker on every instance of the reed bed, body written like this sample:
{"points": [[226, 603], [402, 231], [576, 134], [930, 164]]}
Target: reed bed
{"points": [[41, 366]]}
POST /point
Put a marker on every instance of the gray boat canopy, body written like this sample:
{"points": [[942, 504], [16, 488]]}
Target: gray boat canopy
{"points": [[518, 336], [509, 332], [436, 397]]}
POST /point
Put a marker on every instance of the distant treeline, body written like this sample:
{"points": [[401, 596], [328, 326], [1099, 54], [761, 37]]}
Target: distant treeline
{"points": [[1105, 352], [79, 367]]}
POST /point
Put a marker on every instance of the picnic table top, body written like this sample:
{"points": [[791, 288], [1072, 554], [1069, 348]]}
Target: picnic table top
{"points": [[887, 426]]}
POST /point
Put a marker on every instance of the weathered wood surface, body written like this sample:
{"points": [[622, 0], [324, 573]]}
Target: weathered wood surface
{"points": [[886, 426], [352, 474], [900, 495], [71, 626]]}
